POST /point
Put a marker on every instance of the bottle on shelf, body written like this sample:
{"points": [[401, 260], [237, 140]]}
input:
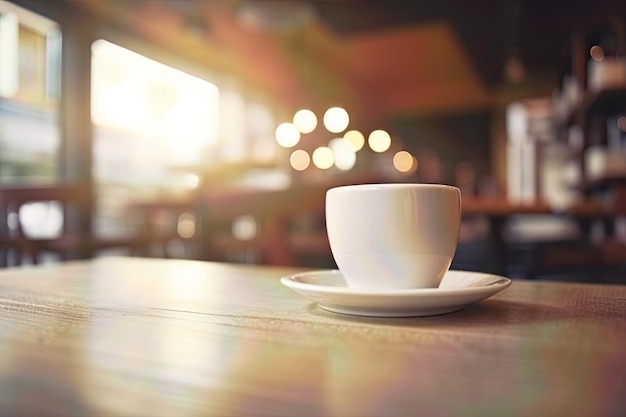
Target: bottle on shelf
{"points": [[607, 61]]}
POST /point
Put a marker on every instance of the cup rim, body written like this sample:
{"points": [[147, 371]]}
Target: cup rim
{"points": [[386, 186]]}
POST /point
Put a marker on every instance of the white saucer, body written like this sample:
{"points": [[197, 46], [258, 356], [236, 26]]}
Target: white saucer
{"points": [[457, 290]]}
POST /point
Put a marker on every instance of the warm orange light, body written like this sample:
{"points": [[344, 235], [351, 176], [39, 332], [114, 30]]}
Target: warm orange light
{"points": [[305, 120], [244, 228], [379, 141], [299, 160], [186, 226], [336, 119], [404, 161], [597, 53], [287, 135], [621, 123], [323, 157], [356, 139]]}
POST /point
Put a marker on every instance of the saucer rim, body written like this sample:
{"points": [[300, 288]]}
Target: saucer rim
{"points": [[291, 282]]}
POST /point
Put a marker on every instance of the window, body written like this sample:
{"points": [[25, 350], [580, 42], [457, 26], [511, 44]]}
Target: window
{"points": [[154, 125], [149, 118], [30, 57]]}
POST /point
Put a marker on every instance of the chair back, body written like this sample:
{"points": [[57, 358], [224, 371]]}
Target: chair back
{"points": [[73, 203], [73, 199]]}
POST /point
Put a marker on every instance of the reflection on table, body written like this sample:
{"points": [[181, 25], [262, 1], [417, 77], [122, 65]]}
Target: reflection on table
{"points": [[131, 336]]}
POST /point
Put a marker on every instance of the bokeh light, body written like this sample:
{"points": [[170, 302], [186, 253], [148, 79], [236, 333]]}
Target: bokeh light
{"points": [[299, 160], [403, 161], [355, 138], [191, 180], [323, 157], [186, 226], [597, 53], [287, 135], [336, 119], [343, 153], [244, 227], [379, 140], [305, 120], [621, 123]]}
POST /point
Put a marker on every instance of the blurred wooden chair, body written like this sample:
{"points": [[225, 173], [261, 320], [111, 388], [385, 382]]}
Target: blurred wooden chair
{"points": [[14, 246], [64, 213], [272, 227], [9, 249], [167, 227]]}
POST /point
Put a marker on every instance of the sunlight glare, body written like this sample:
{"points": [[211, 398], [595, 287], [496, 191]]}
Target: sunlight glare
{"points": [[191, 180], [135, 94]]}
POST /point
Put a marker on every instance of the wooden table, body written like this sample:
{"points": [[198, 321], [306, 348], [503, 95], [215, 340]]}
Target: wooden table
{"points": [[498, 213], [156, 337]]}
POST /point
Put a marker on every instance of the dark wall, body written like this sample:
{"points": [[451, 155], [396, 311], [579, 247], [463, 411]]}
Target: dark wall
{"points": [[456, 139]]}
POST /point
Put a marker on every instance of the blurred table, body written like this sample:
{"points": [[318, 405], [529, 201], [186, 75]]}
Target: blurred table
{"points": [[278, 242], [499, 211], [132, 336], [278, 216]]}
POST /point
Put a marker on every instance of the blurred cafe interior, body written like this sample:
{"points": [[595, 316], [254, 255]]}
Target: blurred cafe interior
{"points": [[211, 129]]}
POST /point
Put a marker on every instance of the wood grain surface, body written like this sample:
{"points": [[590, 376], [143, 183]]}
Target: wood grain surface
{"points": [[151, 337]]}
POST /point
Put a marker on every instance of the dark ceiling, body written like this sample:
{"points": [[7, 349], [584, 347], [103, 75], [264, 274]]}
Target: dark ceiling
{"points": [[391, 58], [539, 31]]}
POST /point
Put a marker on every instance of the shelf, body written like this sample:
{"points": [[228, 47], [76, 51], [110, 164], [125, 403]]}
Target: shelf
{"points": [[605, 102], [604, 183]]}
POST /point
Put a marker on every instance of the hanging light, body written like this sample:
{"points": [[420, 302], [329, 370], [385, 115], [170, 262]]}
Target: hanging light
{"points": [[404, 162], [336, 119], [287, 135], [355, 138], [343, 153], [597, 53], [514, 68], [323, 157], [379, 140], [299, 160], [305, 120]]}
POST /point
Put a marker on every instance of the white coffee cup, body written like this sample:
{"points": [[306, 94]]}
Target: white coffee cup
{"points": [[393, 236]]}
